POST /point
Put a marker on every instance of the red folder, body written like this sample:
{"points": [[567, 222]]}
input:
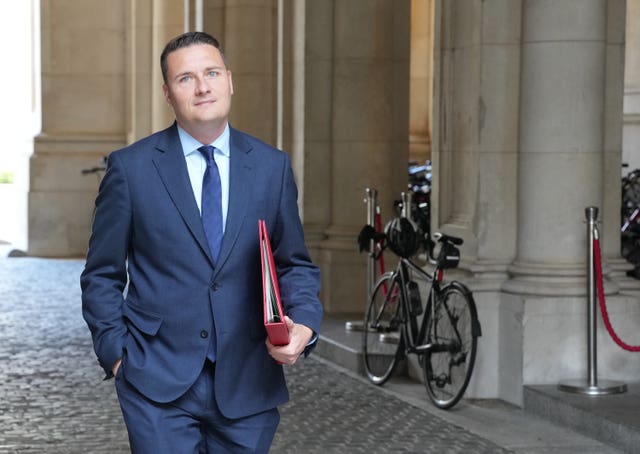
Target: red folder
{"points": [[274, 323]]}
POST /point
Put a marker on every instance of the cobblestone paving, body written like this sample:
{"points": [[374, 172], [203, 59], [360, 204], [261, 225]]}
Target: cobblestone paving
{"points": [[53, 399]]}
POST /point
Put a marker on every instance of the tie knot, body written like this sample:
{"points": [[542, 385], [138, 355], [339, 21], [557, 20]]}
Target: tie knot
{"points": [[207, 152]]}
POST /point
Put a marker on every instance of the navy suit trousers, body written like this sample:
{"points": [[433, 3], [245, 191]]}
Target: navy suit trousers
{"points": [[192, 423]]}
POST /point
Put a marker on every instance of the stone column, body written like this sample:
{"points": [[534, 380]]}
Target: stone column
{"points": [[294, 71], [421, 85], [561, 142], [568, 80], [620, 67], [167, 21], [83, 118], [624, 42], [151, 24], [476, 132], [632, 87], [317, 128], [475, 151], [249, 37], [363, 116], [101, 88], [526, 135]]}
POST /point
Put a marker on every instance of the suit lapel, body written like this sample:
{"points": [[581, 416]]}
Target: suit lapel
{"points": [[172, 168], [241, 174]]}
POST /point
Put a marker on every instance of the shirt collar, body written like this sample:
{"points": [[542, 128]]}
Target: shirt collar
{"points": [[191, 145]]}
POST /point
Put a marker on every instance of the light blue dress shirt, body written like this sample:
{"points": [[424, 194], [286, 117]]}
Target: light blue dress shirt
{"points": [[196, 166]]}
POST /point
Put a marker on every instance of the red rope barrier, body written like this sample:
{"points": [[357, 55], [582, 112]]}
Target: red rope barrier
{"points": [[597, 262]]}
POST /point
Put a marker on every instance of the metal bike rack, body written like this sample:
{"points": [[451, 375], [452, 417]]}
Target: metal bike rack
{"points": [[592, 386], [371, 200]]}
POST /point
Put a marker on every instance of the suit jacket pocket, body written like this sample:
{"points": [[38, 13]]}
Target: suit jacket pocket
{"points": [[145, 322]]}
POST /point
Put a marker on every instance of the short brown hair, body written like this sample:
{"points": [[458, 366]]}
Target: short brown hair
{"points": [[185, 40]]}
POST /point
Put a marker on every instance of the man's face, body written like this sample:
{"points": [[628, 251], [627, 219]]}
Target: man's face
{"points": [[198, 87]]}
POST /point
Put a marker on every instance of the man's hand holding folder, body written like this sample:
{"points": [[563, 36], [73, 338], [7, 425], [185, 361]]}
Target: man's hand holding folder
{"points": [[286, 340], [299, 337]]}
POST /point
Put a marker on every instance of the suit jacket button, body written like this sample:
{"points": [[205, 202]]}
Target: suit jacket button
{"points": [[204, 334], [215, 286]]}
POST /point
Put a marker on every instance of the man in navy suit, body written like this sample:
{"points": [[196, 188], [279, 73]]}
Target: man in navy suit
{"points": [[177, 320]]}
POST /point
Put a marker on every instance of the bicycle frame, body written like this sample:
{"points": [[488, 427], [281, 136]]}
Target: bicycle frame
{"points": [[414, 336]]}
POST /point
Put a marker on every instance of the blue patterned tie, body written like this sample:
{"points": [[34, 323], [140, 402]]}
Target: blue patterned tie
{"points": [[211, 202], [211, 218]]}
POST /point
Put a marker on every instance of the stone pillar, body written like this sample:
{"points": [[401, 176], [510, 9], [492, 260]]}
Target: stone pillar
{"points": [[421, 82], [151, 24], [476, 132], [317, 128], [249, 36], [83, 94], [569, 66], [561, 142], [527, 116], [620, 67], [362, 119], [101, 88], [167, 22], [294, 71], [475, 150], [631, 154]]}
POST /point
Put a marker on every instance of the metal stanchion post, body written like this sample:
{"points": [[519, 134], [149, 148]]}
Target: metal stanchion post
{"points": [[591, 386], [372, 206], [405, 212]]}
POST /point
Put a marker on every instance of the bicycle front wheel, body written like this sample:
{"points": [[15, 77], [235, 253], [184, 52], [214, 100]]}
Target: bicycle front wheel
{"points": [[381, 338], [452, 330]]}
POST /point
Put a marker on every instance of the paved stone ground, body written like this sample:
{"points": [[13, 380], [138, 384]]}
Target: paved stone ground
{"points": [[53, 399]]}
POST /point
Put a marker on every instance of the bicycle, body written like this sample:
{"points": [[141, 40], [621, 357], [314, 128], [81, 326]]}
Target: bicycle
{"points": [[445, 340]]}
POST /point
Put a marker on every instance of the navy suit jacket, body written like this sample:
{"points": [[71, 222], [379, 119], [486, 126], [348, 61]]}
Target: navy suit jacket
{"points": [[151, 293]]}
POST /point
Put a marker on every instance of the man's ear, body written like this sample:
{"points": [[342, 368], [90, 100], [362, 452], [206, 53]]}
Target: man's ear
{"points": [[165, 91]]}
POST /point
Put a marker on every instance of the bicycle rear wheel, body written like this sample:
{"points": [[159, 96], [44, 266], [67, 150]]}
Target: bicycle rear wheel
{"points": [[453, 331], [381, 339]]}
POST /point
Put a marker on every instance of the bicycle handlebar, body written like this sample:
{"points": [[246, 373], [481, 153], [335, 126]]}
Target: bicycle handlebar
{"points": [[92, 170], [369, 233], [101, 168]]}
